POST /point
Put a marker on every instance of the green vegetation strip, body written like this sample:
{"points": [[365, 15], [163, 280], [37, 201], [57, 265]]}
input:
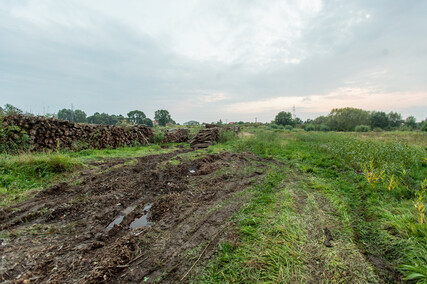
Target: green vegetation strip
{"points": [[377, 190], [22, 173], [270, 248]]}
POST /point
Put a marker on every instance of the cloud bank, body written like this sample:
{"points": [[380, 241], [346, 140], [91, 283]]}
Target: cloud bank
{"points": [[207, 60]]}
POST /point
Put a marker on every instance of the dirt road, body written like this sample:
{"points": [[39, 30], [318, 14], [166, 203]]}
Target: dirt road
{"points": [[132, 221]]}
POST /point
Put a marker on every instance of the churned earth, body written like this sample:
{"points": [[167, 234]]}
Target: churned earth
{"points": [[146, 219]]}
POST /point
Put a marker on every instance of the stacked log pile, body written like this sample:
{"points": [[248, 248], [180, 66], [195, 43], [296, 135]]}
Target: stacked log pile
{"points": [[235, 128], [52, 134], [178, 135], [204, 138]]}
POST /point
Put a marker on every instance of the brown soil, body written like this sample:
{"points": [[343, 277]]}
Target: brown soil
{"points": [[61, 235]]}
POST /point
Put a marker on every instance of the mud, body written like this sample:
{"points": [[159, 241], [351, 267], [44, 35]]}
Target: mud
{"points": [[85, 232]]}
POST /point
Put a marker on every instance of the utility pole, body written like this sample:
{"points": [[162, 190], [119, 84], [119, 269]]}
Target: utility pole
{"points": [[293, 112], [255, 120]]}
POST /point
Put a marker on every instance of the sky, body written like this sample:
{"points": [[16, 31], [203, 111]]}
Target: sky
{"points": [[207, 60]]}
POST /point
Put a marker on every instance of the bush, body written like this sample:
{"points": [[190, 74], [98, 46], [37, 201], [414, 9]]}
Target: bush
{"points": [[275, 126], [226, 135], [424, 126], [324, 128], [12, 138], [362, 128], [289, 127], [309, 127], [158, 136]]}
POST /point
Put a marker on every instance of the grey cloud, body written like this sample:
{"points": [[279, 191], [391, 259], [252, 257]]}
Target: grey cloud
{"points": [[113, 67]]}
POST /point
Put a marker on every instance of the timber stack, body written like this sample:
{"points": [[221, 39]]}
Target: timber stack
{"points": [[53, 134], [178, 135], [204, 138]]}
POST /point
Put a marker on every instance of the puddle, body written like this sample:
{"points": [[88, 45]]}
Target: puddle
{"points": [[142, 221], [116, 221]]}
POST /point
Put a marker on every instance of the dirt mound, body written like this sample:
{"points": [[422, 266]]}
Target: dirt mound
{"points": [[129, 223], [51, 134], [176, 135]]}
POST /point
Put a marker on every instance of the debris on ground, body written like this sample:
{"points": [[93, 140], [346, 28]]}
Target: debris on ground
{"points": [[205, 138], [177, 135]]}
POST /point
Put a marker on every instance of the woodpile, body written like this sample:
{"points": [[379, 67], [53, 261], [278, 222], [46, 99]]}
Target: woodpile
{"points": [[204, 138], [177, 135], [52, 134], [235, 128]]}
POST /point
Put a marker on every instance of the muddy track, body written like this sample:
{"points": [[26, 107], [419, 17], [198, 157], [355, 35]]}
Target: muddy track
{"points": [[65, 233]]}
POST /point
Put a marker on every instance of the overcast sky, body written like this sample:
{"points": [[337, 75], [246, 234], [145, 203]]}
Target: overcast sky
{"points": [[209, 60]]}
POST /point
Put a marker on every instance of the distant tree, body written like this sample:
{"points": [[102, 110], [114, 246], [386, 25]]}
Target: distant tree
{"points": [[423, 126], [394, 119], [11, 110], [378, 119], [411, 122], [346, 119], [73, 116], [136, 116], [284, 118], [147, 122], [320, 120], [362, 128], [298, 121], [79, 116], [162, 117], [105, 118], [66, 114]]}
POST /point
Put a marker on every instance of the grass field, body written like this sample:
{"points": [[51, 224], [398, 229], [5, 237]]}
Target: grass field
{"points": [[368, 189]]}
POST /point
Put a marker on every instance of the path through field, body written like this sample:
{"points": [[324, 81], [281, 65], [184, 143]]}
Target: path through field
{"points": [[160, 218]]}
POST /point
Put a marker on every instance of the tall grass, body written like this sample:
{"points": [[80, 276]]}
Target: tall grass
{"points": [[30, 171]]}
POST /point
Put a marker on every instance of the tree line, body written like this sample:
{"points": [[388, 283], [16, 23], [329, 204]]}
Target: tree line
{"points": [[351, 119], [162, 117]]}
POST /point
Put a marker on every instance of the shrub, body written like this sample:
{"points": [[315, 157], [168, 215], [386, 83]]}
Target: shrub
{"points": [[324, 128], [226, 135], [309, 127], [12, 138], [289, 127], [424, 126], [362, 128], [158, 137]]}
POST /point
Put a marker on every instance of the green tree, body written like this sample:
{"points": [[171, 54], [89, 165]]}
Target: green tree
{"points": [[346, 119], [162, 117], [79, 116], [136, 116], [411, 122], [394, 119], [73, 116], [424, 126], [284, 118], [66, 114], [104, 118], [147, 122], [378, 119], [10, 110]]}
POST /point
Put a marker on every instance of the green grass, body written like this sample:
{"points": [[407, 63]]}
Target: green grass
{"points": [[378, 221], [123, 152], [23, 172], [270, 241]]}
